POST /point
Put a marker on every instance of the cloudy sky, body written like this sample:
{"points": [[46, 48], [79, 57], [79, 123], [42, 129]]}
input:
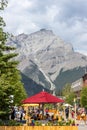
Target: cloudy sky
{"points": [[67, 19]]}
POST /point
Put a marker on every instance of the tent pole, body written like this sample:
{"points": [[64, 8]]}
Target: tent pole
{"points": [[43, 110]]}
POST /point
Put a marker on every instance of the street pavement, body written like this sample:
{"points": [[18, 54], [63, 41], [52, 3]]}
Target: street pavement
{"points": [[82, 125]]}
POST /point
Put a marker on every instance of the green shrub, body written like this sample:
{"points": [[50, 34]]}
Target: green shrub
{"points": [[10, 123], [37, 123], [13, 123], [1, 123]]}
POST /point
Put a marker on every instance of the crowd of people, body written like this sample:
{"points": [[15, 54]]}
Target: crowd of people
{"points": [[17, 113], [36, 113], [80, 114]]}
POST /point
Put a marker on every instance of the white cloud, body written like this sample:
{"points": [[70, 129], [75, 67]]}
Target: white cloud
{"points": [[66, 19]]}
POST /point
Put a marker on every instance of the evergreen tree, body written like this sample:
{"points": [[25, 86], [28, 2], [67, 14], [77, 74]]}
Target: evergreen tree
{"points": [[10, 79]]}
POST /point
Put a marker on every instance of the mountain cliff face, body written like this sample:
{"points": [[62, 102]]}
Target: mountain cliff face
{"points": [[47, 60]]}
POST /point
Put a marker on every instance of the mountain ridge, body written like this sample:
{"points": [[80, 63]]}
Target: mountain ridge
{"points": [[43, 55]]}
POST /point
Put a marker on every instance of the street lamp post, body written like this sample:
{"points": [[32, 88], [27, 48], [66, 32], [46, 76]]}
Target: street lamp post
{"points": [[75, 109], [11, 101]]}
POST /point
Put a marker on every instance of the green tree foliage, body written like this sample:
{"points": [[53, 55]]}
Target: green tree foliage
{"points": [[84, 97], [70, 98], [66, 90], [68, 94], [10, 79]]}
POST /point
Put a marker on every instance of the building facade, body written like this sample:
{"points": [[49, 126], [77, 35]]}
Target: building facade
{"points": [[79, 84]]}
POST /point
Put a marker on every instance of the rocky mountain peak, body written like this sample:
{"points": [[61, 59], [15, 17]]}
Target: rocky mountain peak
{"points": [[44, 57], [43, 32]]}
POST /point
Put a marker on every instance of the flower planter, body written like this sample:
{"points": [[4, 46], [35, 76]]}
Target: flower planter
{"points": [[38, 128]]}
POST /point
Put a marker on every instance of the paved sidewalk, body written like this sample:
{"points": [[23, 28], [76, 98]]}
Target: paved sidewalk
{"points": [[82, 125]]}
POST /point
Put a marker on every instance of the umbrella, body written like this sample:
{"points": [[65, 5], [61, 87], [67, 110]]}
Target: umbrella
{"points": [[67, 105], [42, 98]]}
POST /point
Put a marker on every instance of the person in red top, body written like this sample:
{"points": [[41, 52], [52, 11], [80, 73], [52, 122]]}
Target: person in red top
{"points": [[72, 113]]}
